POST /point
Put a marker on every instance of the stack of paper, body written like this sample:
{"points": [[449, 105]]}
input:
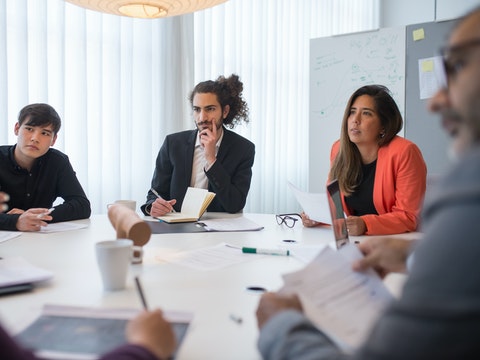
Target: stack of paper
{"points": [[16, 275], [231, 224], [17, 270]]}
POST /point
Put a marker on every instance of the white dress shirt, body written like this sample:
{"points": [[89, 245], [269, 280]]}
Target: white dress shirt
{"points": [[199, 166]]}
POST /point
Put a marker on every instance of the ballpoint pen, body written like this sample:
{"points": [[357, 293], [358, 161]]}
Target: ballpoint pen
{"points": [[140, 293], [158, 196], [249, 250], [48, 212]]}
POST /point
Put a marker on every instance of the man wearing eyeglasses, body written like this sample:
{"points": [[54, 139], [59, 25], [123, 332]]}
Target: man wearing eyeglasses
{"points": [[438, 313]]}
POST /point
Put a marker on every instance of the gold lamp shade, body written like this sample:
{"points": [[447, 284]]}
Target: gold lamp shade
{"points": [[147, 9]]}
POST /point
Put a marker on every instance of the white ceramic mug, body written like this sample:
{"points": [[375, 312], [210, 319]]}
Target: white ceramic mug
{"points": [[131, 204], [114, 258]]}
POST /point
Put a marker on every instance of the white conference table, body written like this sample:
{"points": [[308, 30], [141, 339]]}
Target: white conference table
{"points": [[212, 296]]}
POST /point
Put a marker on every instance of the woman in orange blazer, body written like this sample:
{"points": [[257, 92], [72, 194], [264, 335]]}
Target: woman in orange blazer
{"points": [[382, 176]]}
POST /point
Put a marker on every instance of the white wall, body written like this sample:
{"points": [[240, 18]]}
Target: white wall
{"points": [[407, 12], [452, 9], [393, 14], [399, 13]]}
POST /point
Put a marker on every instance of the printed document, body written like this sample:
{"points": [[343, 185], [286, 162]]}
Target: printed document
{"points": [[16, 270], [8, 235], [231, 224], [315, 205], [211, 258], [343, 303], [62, 226]]}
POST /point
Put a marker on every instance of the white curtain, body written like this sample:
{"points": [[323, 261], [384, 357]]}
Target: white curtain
{"points": [[120, 84], [266, 42]]}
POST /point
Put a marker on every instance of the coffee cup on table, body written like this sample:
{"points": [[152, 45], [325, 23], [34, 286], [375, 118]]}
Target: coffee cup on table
{"points": [[113, 259]]}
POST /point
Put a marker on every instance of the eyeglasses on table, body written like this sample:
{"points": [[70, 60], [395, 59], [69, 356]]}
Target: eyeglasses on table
{"points": [[288, 219]]}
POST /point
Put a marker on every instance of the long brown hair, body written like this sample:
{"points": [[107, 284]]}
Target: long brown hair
{"points": [[347, 166]]}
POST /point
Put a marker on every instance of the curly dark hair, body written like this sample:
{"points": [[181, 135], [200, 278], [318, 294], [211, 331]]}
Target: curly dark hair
{"points": [[229, 92]]}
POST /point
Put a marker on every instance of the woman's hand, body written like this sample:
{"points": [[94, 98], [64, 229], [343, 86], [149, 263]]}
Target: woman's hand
{"points": [[307, 222], [356, 226]]}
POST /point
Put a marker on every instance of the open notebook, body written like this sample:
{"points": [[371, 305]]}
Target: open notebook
{"points": [[339, 225], [194, 206]]}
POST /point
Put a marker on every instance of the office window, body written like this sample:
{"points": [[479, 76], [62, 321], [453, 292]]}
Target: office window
{"points": [[267, 44], [121, 85]]}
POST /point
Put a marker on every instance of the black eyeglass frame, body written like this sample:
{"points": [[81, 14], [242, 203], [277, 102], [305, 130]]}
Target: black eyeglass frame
{"points": [[452, 68], [282, 219]]}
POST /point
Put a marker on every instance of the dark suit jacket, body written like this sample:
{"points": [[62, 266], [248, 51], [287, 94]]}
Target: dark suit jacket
{"points": [[229, 177]]}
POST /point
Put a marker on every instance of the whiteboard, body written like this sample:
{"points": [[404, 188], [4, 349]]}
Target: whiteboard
{"points": [[339, 65]]}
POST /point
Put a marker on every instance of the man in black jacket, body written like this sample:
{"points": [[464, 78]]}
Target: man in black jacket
{"points": [[210, 157], [34, 175]]}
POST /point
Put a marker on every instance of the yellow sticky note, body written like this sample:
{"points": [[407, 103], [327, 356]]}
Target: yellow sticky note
{"points": [[427, 65], [418, 34]]}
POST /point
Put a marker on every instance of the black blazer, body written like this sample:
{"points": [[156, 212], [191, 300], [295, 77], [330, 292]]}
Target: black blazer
{"points": [[229, 177]]}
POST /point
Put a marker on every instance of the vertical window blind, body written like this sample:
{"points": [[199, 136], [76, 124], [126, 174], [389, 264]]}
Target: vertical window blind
{"points": [[121, 84]]}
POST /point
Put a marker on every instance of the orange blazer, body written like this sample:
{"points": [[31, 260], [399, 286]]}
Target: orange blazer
{"points": [[398, 189]]}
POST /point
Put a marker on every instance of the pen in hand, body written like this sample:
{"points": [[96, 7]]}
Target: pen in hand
{"points": [[158, 196], [48, 212], [140, 292]]}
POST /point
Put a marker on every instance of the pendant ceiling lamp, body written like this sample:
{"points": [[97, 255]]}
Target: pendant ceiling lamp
{"points": [[147, 9]]}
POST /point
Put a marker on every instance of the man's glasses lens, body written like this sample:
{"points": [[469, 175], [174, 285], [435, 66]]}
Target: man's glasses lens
{"points": [[288, 220], [456, 57]]}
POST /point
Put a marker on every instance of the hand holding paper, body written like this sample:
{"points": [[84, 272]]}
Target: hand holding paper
{"points": [[314, 205], [342, 303]]}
